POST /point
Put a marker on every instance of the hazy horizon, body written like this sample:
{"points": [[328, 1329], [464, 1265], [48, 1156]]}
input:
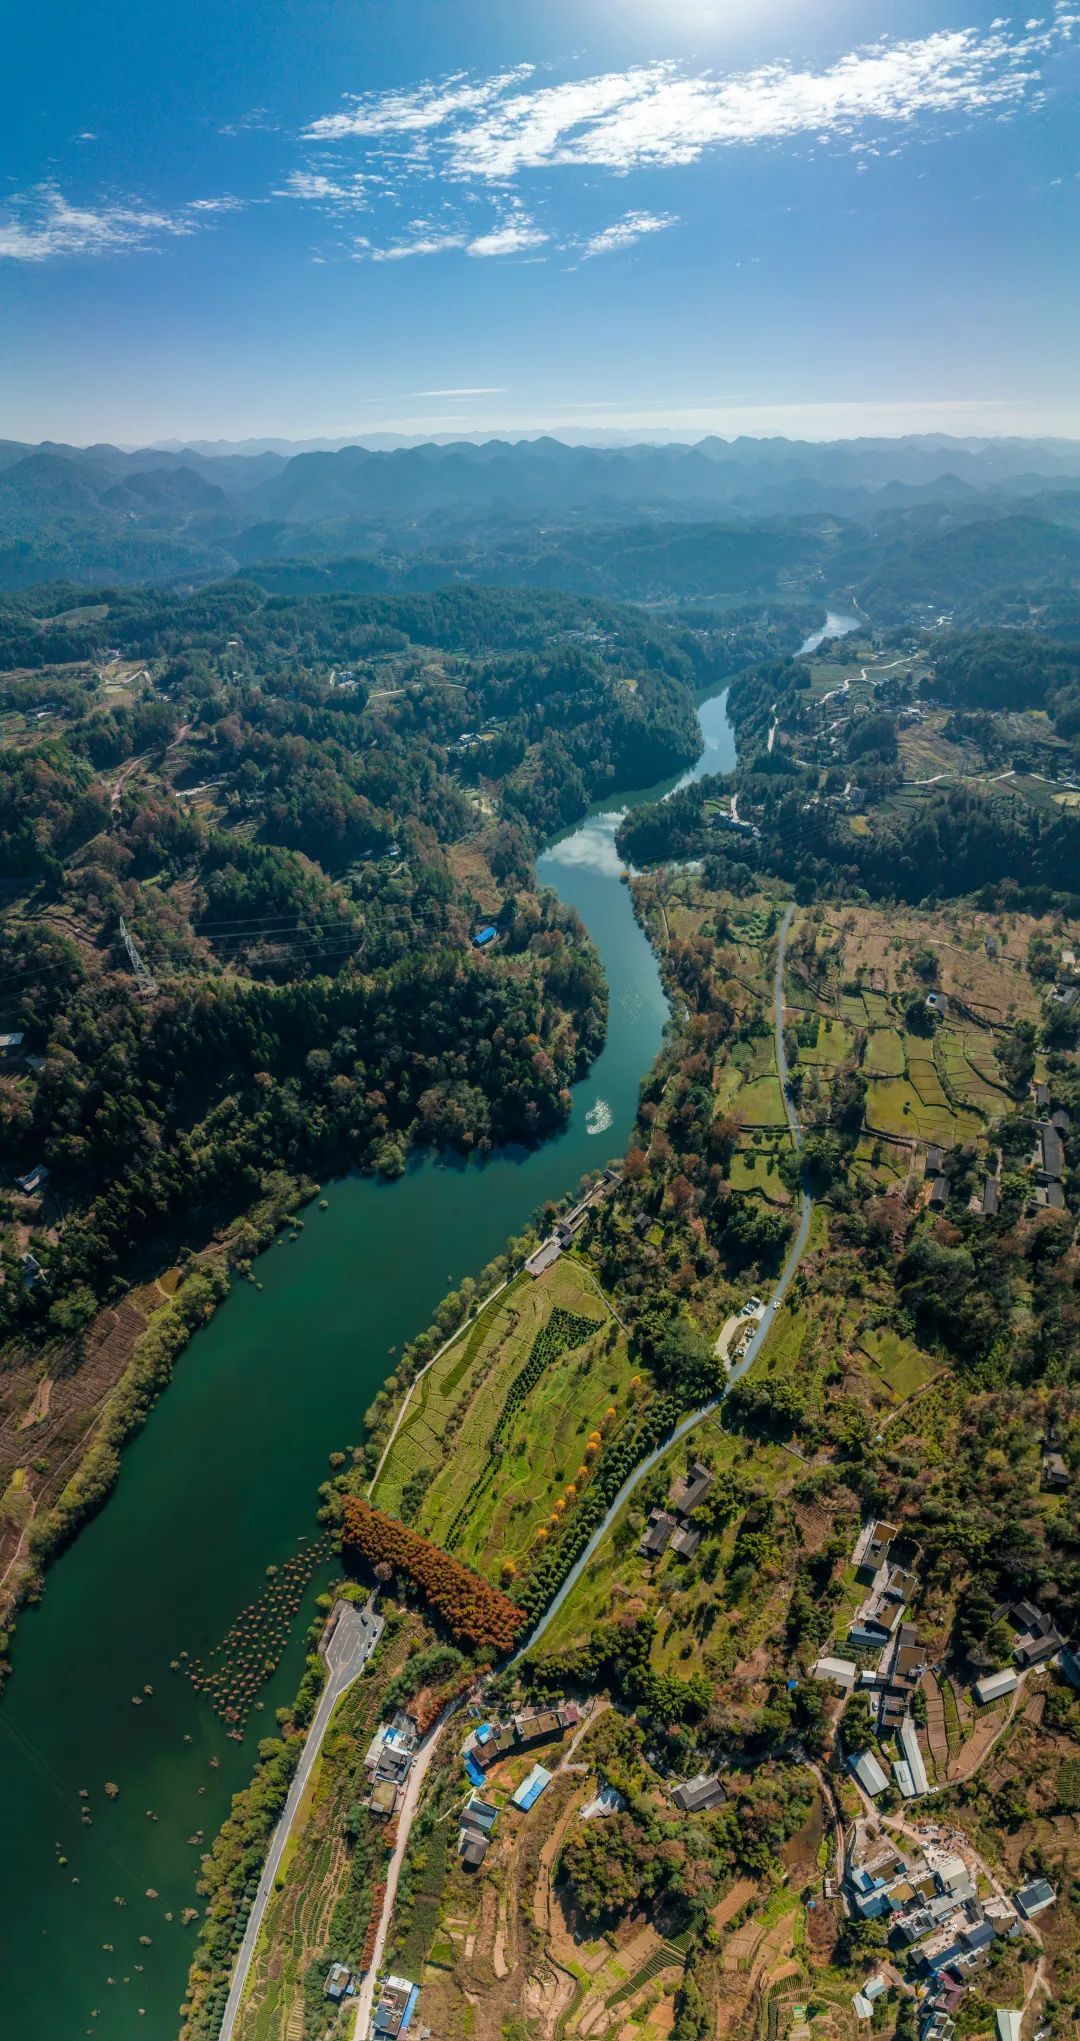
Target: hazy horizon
{"points": [[597, 438]]}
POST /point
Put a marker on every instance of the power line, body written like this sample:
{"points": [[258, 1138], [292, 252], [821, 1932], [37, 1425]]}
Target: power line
{"points": [[147, 983]]}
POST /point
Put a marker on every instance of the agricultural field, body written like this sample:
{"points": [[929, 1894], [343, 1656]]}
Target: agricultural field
{"points": [[499, 1947], [696, 1632], [897, 1363], [926, 1081], [498, 1429]]}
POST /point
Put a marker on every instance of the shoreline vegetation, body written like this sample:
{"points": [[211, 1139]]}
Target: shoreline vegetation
{"points": [[803, 1448], [345, 814], [197, 1289]]}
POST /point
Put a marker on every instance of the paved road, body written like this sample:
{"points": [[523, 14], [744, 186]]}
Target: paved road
{"points": [[352, 1641], [406, 1816], [754, 1345]]}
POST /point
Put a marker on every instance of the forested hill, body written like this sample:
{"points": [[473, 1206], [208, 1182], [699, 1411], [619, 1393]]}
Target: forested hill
{"points": [[910, 769], [904, 523], [302, 808]]}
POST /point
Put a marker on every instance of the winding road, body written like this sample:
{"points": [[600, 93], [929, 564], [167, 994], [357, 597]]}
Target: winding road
{"points": [[349, 1646], [351, 1643], [754, 1345]]}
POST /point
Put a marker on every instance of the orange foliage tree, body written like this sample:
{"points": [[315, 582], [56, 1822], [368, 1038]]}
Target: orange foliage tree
{"points": [[474, 1612]]}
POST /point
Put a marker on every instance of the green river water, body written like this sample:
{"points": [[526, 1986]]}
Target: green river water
{"points": [[222, 1483]]}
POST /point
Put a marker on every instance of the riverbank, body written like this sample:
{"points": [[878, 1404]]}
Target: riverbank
{"points": [[405, 1819], [220, 1482], [150, 1326]]}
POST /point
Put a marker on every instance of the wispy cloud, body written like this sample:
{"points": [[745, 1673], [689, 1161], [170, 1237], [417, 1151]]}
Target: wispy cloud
{"points": [[400, 251], [259, 120], [509, 239], [660, 114], [41, 224], [514, 234], [315, 187], [430, 105], [490, 390], [623, 233]]}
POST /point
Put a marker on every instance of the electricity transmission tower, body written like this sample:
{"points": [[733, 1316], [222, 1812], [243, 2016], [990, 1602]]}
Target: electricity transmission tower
{"points": [[147, 983]]}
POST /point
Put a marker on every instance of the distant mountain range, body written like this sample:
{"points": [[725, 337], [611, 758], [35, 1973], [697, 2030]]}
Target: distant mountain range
{"points": [[745, 516]]}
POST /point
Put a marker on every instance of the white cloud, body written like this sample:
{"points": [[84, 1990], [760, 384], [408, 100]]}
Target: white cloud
{"points": [[508, 239], [315, 186], [225, 204], [491, 390], [38, 225], [513, 234], [425, 244], [259, 120], [623, 233], [427, 106], [658, 114]]}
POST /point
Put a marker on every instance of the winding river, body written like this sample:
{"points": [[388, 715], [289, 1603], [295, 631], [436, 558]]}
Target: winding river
{"points": [[220, 1485]]}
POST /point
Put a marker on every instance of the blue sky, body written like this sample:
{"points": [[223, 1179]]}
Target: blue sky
{"points": [[353, 216]]}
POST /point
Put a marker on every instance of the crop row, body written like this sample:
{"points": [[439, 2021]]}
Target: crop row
{"points": [[617, 1462], [563, 1331]]}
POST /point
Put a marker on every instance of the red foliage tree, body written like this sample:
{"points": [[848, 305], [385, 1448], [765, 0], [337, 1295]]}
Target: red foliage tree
{"points": [[474, 1612]]}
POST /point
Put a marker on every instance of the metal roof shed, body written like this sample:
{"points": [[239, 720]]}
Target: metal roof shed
{"points": [[869, 1773], [530, 1789], [994, 1684]]}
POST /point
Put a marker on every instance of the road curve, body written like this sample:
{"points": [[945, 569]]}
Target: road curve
{"points": [[352, 1641], [754, 1345], [339, 1680]]}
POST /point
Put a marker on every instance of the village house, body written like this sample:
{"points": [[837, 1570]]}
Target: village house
{"points": [[869, 1773], [395, 2008], [490, 1741], [690, 1489], [339, 1982], [530, 1789], [696, 1796], [1039, 1638], [1052, 1153], [1035, 1898], [875, 1551], [477, 1825], [657, 1534]]}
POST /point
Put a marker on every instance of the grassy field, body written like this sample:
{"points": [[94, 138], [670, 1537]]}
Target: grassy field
{"points": [[760, 1103], [485, 1475], [754, 1169], [884, 1053], [446, 1391], [896, 1105], [835, 1044], [897, 1362]]}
